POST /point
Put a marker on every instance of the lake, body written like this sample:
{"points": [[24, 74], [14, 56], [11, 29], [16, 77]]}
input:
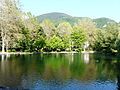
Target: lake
{"points": [[70, 71]]}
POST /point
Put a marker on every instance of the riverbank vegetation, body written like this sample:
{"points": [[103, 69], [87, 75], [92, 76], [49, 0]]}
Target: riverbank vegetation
{"points": [[22, 32]]}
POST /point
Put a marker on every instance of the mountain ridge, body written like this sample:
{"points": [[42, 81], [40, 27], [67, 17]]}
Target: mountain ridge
{"points": [[57, 17]]}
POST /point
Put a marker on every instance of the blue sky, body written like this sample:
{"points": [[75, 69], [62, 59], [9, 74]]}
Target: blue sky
{"points": [[81, 8]]}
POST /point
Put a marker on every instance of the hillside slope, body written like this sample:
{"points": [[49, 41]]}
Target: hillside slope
{"points": [[57, 18]]}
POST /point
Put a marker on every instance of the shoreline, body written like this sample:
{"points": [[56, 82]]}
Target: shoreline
{"points": [[21, 53]]}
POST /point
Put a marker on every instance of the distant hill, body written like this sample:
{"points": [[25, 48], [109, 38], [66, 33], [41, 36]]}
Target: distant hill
{"points": [[53, 16], [56, 18], [101, 22]]}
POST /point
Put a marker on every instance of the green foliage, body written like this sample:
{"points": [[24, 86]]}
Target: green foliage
{"points": [[38, 44], [107, 39], [54, 43], [67, 43], [48, 28], [101, 22], [78, 37], [117, 43], [64, 31], [31, 41], [90, 29], [38, 40], [23, 44]]}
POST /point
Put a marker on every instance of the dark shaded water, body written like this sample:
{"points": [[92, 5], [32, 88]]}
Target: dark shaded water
{"points": [[60, 72]]}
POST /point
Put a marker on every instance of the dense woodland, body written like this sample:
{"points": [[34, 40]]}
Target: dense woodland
{"points": [[22, 32]]}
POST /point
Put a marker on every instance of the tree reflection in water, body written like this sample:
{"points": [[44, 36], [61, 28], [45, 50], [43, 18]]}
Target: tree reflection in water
{"points": [[118, 75], [44, 70], [86, 57]]}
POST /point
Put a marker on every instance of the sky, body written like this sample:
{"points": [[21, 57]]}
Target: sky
{"points": [[79, 8]]}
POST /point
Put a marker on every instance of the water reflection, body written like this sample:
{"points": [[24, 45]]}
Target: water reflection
{"points": [[60, 71], [118, 75], [86, 57]]}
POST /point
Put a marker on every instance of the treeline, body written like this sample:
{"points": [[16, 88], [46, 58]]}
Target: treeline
{"points": [[22, 32]]}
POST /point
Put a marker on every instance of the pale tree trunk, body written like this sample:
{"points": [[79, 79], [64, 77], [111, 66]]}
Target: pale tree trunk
{"points": [[7, 46], [3, 42], [3, 45], [9, 16], [2, 31]]}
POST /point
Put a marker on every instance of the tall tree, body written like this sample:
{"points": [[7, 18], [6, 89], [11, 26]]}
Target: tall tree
{"points": [[32, 36], [90, 28], [48, 28], [64, 31], [78, 38], [107, 39], [54, 43], [10, 20]]}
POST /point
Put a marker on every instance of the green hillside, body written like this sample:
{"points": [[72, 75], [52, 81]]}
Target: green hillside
{"points": [[101, 22], [56, 18]]}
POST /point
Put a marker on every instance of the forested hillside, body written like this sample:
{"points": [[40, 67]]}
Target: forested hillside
{"points": [[60, 17]]}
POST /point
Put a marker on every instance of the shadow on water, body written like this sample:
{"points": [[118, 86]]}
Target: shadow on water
{"points": [[60, 72], [118, 74]]}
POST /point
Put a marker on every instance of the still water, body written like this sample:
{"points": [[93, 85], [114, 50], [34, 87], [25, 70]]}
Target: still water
{"points": [[60, 72]]}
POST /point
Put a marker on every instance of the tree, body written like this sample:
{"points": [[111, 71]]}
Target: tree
{"points": [[78, 37], [117, 43], [39, 40], [90, 29], [10, 22], [31, 23], [107, 39], [25, 41], [48, 28], [54, 43], [32, 36], [64, 31], [99, 42]]}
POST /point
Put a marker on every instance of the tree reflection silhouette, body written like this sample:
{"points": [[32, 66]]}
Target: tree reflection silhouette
{"points": [[118, 74]]}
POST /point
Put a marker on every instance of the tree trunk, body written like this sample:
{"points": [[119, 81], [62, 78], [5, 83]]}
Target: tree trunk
{"points": [[3, 45], [3, 41], [6, 46]]}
